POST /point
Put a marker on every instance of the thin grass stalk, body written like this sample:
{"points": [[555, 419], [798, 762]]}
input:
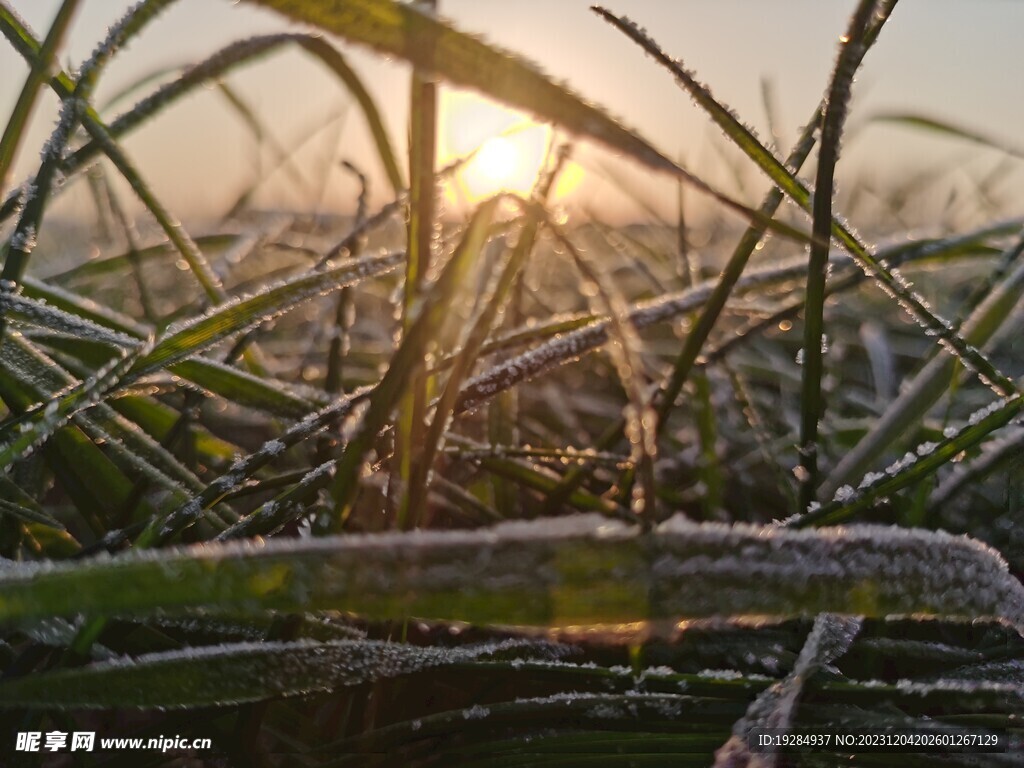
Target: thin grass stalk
{"points": [[639, 418], [812, 408], [420, 234], [344, 309], [131, 237], [467, 357], [481, 328], [130, 24], [503, 413], [394, 387], [14, 131], [23, 241], [707, 318], [339, 344]]}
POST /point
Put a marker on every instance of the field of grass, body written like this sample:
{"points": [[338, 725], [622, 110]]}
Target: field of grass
{"points": [[401, 488]]}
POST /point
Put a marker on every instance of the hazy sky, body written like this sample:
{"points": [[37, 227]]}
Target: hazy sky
{"points": [[957, 60]]}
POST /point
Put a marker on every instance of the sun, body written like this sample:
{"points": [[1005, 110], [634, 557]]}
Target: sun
{"points": [[506, 150], [507, 162], [497, 161]]}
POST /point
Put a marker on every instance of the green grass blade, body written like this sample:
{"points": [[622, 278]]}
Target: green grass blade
{"points": [[945, 128], [283, 508], [463, 362], [422, 331], [570, 346], [812, 406], [14, 131], [230, 673], [571, 571], [179, 343], [94, 483], [29, 514], [163, 528], [913, 467], [410, 427], [35, 427]]}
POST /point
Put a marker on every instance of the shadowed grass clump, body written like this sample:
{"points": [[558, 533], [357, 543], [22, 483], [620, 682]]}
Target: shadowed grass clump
{"points": [[399, 489]]}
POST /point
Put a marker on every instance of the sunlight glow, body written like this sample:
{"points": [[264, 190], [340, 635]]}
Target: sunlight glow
{"points": [[510, 150], [497, 161]]}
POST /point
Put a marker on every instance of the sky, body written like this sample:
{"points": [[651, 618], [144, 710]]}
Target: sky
{"points": [[954, 60]]}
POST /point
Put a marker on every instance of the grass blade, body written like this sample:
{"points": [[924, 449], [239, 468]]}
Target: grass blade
{"points": [[570, 571], [945, 128], [230, 673], [812, 407], [179, 343], [14, 131]]}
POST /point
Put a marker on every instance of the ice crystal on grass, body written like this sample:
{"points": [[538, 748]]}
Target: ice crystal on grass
{"points": [[24, 240], [244, 467], [571, 346], [476, 712], [38, 312]]}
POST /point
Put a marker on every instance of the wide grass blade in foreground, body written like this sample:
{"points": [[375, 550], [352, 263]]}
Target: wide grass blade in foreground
{"points": [[573, 571]]}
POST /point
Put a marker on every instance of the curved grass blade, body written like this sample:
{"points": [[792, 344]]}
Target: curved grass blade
{"points": [[943, 127], [217, 65], [239, 315], [232, 673], [129, 26], [579, 570]]}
